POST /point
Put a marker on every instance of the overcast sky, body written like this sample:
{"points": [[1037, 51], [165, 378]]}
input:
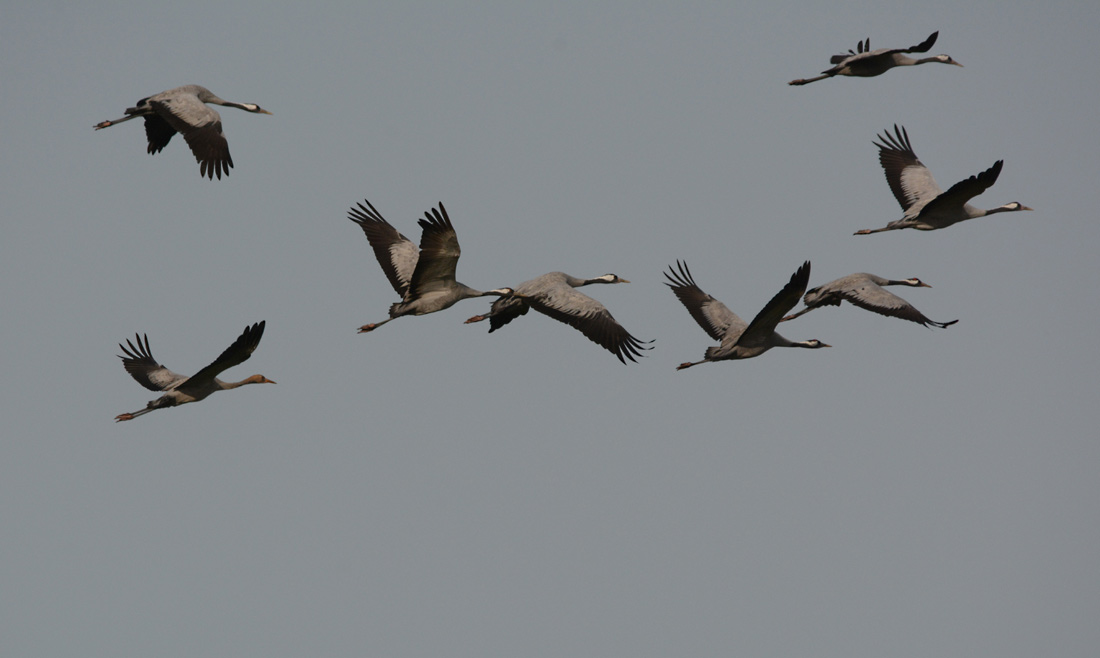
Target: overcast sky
{"points": [[433, 490]]}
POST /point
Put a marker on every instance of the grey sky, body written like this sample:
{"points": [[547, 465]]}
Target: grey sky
{"points": [[431, 490]]}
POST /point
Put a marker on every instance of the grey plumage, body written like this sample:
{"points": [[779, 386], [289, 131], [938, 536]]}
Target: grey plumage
{"points": [[183, 110], [424, 277], [866, 291], [141, 365], [738, 340], [926, 206], [866, 63], [555, 294]]}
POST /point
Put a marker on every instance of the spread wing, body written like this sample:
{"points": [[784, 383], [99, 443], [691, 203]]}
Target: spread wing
{"points": [[235, 354], [967, 189], [763, 325], [201, 126], [712, 315], [141, 365], [591, 318], [909, 180], [439, 252], [395, 253]]}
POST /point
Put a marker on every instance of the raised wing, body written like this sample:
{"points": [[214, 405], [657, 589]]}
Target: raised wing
{"points": [[395, 253], [763, 325], [710, 314], [909, 180], [861, 47], [439, 252], [965, 190], [235, 354], [591, 318], [201, 126], [141, 365]]}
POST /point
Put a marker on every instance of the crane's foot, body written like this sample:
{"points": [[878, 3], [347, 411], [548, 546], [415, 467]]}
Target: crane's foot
{"points": [[685, 364], [367, 327], [121, 417], [476, 318], [103, 124], [865, 231]]}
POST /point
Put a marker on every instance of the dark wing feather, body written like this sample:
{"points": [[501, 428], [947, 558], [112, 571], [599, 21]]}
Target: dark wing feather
{"points": [[710, 314], [909, 180], [765, 322], [201, 126], [965, 190], [504, 310], [235, 354], [591, 318], [925, 45], [158, 132], [141, 365], [439, 252], [395, 253]]}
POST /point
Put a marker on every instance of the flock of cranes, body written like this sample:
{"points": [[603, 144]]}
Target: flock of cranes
{"points": [[424, 276]]}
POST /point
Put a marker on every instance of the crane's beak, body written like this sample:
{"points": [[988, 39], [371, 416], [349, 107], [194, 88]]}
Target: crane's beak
{"points": [[266, 112], [1026, 208], [924, 285], [622, 280]]}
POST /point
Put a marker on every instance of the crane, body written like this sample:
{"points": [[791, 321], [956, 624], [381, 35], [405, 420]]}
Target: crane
{"points": [[183, 110], [424, 278], [866, 291], [866, 63], [180, 389], [926, 206], [738, 340], [555, 294]]}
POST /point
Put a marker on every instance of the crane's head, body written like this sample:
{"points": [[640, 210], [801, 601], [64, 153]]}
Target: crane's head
{"points": [[1015, 205], [258, 379], [609, 278], [946, 59], [500, 292], [916, 283], [813, 344], [252, 107]]}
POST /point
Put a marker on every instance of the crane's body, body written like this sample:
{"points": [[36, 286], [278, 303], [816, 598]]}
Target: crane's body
{"points": [[424, 277], [866, 63], [927, 207], [867, 292], [555, 294], [183, 110], [738, 339], [181, 389]]}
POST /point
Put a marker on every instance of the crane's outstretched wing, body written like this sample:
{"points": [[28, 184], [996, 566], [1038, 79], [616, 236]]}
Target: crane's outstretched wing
{"points": [[235, 354], [592, 319], [141, 365], [395, 253], [201, 126], [965, 190], [874, 298], [710, 314], [909, 180], [763, 325], [439, 252]]}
